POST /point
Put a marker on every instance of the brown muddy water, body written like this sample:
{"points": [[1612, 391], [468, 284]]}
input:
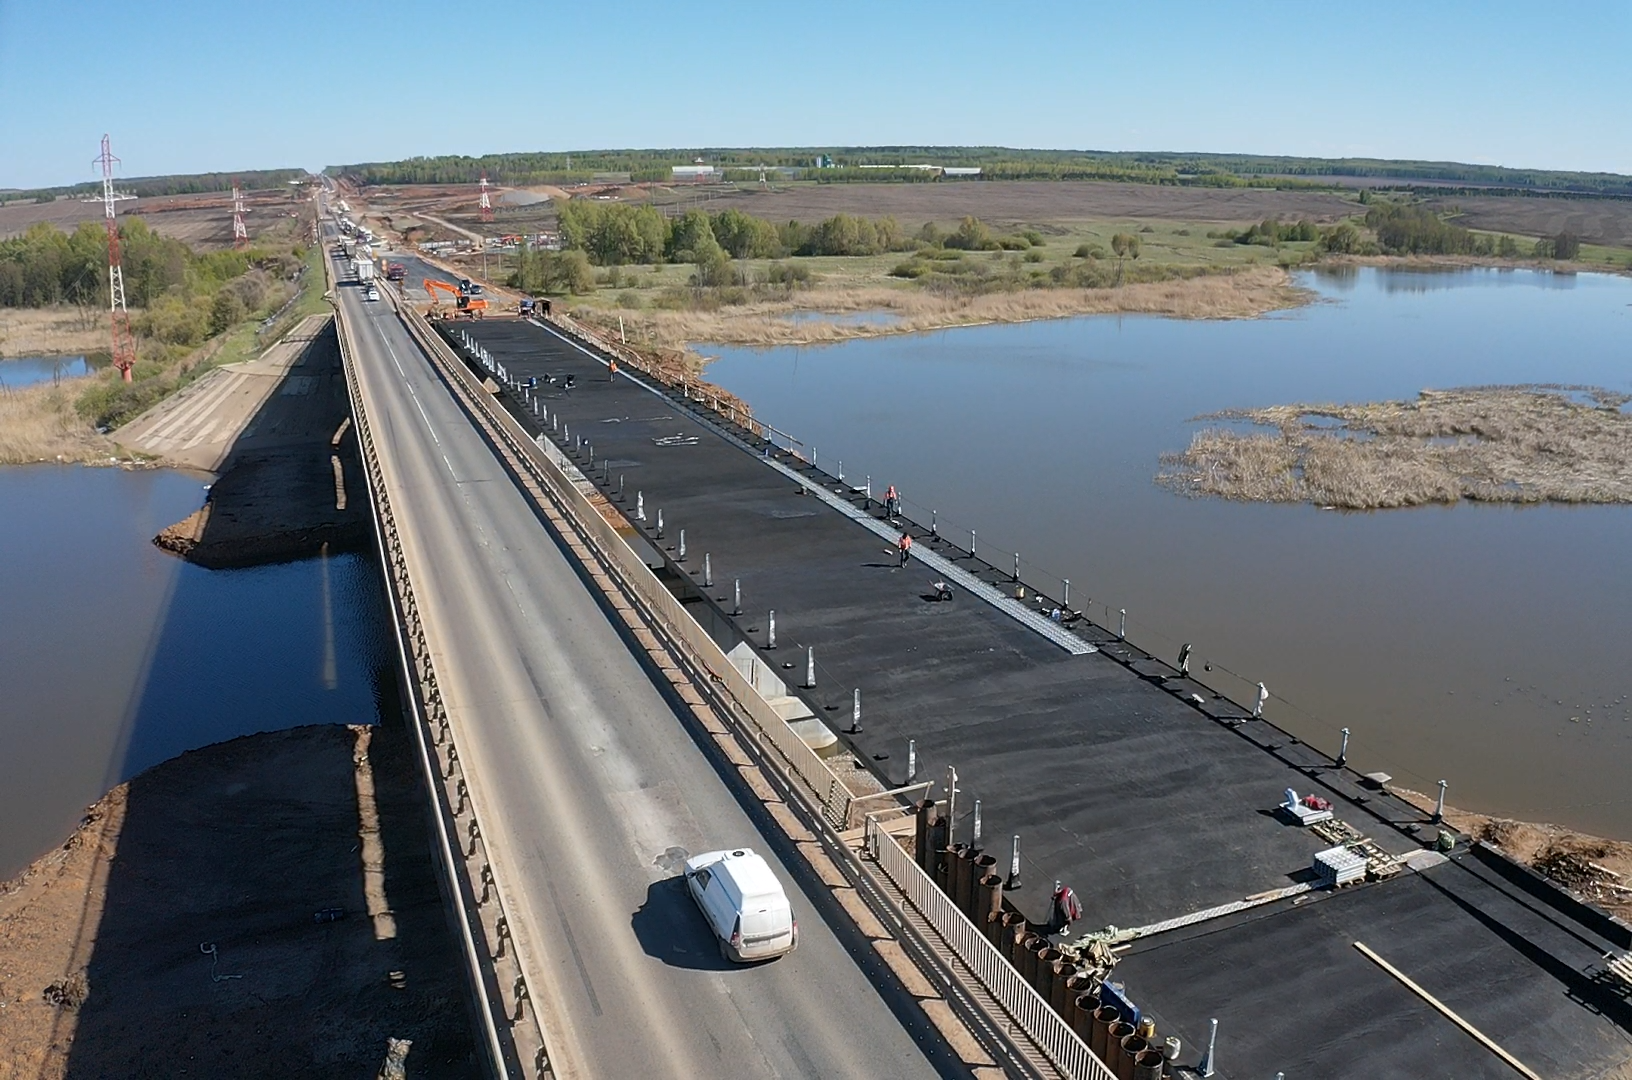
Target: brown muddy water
{"points": [[1490, 646], [115, 656]]}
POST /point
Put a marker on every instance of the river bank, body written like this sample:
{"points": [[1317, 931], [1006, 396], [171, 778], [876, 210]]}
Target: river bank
{"points": [[55, 331], [298, 860], [799, 317]]}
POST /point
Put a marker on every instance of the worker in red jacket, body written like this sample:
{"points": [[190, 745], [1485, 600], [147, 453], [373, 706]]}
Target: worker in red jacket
{"points": [[904, 547]]}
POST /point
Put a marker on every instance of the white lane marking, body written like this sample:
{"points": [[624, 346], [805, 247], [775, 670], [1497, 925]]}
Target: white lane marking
{"points": [[423, 415]]}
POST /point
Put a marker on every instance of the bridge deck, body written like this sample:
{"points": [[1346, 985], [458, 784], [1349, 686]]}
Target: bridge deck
{"points": [[1149, 807]]}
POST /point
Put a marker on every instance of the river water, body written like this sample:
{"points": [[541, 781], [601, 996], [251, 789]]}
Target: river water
{"points": [[115, 656], [27, 370], [1490, 646]]}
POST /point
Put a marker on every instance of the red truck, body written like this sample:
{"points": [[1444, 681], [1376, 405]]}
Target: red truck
{"points": [[395, 272]]}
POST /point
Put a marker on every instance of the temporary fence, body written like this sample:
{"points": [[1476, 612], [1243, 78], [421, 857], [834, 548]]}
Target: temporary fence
{"points": [[1017, 998]]}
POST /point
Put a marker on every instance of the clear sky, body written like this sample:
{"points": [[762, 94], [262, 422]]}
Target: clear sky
{"points": [[187, 86]]}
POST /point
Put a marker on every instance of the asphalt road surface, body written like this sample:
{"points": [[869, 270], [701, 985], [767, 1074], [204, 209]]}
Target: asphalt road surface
{"points": [[591, 790]]}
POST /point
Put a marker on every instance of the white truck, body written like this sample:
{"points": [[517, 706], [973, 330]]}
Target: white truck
{"points": [[365, 271]]}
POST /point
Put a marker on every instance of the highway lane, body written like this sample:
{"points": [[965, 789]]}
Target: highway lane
{"points": [[590, 789]]}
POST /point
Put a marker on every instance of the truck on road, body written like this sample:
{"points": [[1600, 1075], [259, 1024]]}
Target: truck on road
{"points": [[395, 272], [365, 270]]}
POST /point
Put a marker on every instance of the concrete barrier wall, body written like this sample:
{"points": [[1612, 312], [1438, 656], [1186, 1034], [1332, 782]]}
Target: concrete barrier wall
{"points": [[502, 1050]]}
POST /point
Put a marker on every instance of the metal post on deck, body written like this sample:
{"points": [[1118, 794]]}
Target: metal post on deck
{"points": [[1017, 566], [975, 841], [1122, 623], [810, 667], [934, 526], [912, 760], [1343, 751], [1207, 1067], [770, 630], [1065, 601], [1014, 866], [971, 543], [660, 523], [708, 571], [1439, 807], [869, 490], [951, 803], [620, 485], [736, 596], [855, 713], [841, 468], [682, 552], [535, 406], [640, 506]]}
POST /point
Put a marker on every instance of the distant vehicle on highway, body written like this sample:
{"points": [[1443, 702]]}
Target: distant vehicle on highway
{"points": [[743, 903], [373, 293]]}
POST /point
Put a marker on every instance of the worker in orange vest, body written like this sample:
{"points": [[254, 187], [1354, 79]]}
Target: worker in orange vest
{"points": [[904, 547]]}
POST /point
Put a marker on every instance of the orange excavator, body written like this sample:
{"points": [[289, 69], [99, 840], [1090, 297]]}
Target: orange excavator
{"points": [[471, 307]]}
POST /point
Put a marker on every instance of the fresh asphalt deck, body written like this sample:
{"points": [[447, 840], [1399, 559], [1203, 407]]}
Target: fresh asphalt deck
{"points": [[1150, 807]]}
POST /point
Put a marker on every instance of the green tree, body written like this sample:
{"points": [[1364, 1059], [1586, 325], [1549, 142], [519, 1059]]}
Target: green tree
{"points": [[713, 265], [1566, 245], [226, 310], [690, 234], [1341, 239], [972, 235]]}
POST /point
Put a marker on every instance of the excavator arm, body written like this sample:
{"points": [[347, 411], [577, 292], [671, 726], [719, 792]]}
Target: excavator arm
{"points": [[470, 307]]}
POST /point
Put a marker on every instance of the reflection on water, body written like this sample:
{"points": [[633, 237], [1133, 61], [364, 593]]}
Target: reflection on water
{"points": [[115, 656], [1483, 644], [28, 370]]}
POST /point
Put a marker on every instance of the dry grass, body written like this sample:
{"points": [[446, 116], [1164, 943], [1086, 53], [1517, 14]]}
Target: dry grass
{"points": [[38, 423], [55, 331], [1520, 444], [1229, 295]]}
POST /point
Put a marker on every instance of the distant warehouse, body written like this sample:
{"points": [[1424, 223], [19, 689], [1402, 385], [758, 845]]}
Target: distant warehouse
{"points": [[693, 174], [954, 171]]}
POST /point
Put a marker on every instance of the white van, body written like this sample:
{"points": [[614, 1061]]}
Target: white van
{"points": [[743, 903]]}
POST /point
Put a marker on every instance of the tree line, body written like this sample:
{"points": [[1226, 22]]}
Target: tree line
{"points": [[995, 162], [152, 186], [613, 234], [1403, 229]]}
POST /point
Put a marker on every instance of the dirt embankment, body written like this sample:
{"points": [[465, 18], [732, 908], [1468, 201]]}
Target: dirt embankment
{"points": [[1597, 870], [291, 483], [259, 908]]}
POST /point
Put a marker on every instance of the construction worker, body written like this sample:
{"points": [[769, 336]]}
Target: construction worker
{"points": [[892, 502], [611, 370], [904, 547]]}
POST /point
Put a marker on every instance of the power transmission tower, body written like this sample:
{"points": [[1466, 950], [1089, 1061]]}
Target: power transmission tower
{"points": [[487, 204], [240, 235], [124, 342]]}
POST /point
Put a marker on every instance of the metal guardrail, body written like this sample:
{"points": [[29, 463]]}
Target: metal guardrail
{"points": [[425, 703], [1018, 998]]}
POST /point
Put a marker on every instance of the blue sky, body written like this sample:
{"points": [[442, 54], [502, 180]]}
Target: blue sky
{"points": [[185, 86]]}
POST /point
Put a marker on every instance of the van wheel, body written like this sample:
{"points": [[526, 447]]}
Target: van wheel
{"points": [[725, 951]]}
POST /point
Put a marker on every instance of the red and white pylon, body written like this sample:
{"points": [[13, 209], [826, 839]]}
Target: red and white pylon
{"points": [[240, 235], [487, 204], [124, 342]]}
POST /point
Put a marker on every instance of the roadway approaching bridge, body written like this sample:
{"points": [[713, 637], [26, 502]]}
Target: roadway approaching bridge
{"points": [[591, 789]]}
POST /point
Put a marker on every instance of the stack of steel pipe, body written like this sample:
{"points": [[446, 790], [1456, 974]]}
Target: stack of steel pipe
{"points": [[1114, 1036], [1105, 1018]]}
